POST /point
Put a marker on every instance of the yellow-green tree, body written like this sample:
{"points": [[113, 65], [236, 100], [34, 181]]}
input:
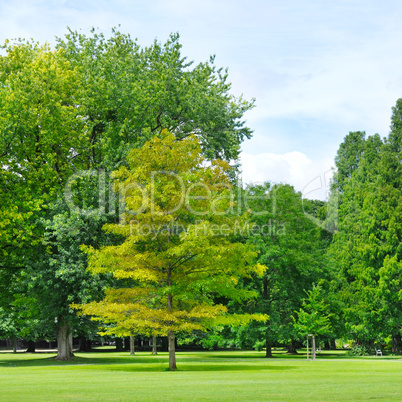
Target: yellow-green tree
{"points": [[179, 255]]}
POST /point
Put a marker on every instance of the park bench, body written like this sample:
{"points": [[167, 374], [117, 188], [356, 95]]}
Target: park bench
{"points": [[378, 352]]}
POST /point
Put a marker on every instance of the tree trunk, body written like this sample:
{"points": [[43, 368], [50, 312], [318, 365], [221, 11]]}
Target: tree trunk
{"points": [[31, 347], [119, 344], [64, 341], [164, 344], [396, 343], [172, 351], [171, 337], [268, 344], [268, 351], [292, 348], [132, 347], [85, 344], [154, 350], [333, 344], [15, 344]]}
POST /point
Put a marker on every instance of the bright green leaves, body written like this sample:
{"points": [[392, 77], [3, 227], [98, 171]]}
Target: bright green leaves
{"points": [[42, 136], [176, 261], [313, 317], [40, 123], [69, 117], [87, 103], [366, 246], [133, 93]]}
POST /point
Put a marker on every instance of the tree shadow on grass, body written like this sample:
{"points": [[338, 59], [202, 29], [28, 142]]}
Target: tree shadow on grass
{"points": [[301, 355], [79, 361], [183, 367], [158, 363], [245, 355], [187, 361]]}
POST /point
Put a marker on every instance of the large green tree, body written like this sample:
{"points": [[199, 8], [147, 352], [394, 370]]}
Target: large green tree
{"points": [[293, 249], [81, 107], [41, 135]]}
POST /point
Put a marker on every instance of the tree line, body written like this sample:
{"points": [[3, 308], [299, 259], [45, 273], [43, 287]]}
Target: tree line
{"points": [[122, 212]]}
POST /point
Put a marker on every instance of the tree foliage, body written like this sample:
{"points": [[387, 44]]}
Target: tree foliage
{"points": [[367, 244], [76, 110], [292, 248], [178, 255], [313, 316], [132, 93]]}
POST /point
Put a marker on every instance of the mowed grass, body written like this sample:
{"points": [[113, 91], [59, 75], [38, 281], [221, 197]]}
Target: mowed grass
{"points": [[204, 376]]}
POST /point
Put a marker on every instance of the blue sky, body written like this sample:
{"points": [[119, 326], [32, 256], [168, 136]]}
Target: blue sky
{"points": [[318, 69]]}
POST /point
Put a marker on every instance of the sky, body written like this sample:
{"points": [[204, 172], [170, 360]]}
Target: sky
{"points": [[317, 68]]}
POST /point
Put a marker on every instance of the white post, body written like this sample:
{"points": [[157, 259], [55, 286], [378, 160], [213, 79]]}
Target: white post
{"points": [[313, 347]]}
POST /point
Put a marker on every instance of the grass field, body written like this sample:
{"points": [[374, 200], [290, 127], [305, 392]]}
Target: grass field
{"points": [[207, 376]]}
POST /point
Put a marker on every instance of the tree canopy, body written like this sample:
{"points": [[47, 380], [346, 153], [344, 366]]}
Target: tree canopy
{"points": [[70, 113], [178, 255], [367, 244], [121, 158]]}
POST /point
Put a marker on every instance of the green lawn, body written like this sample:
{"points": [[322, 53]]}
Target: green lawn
{"points": [[208, 376]]}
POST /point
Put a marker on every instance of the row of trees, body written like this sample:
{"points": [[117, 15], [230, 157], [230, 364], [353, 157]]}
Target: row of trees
{"points": [[353, 286], [118, 203], [68, 118], [367, 244]]}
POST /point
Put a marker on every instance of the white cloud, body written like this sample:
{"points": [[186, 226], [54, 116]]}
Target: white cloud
{"points": [[295, 168]]}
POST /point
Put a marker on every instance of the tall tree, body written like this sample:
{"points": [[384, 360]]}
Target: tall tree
{"points": [[348, 157], [82, 107], [178, 255], [42, 135], [293, 250]]}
